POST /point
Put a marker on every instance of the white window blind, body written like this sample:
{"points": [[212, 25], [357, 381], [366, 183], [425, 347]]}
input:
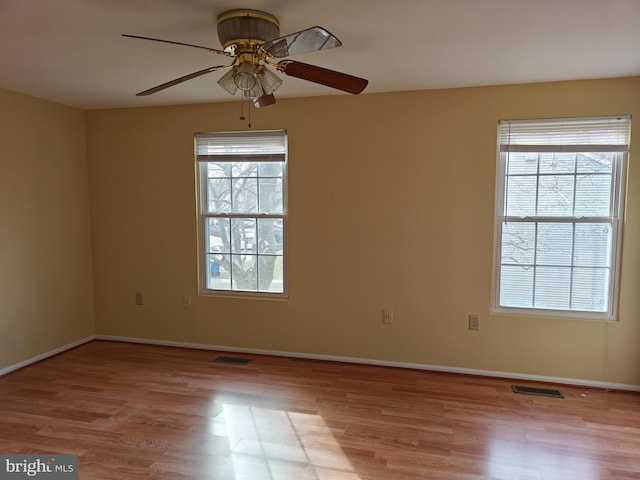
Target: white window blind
{"points": [[266, 146], [558, 215], [599, 134]]}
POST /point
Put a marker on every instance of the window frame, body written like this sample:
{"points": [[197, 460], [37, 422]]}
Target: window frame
{"points": [[615, 219], [203, 215]]}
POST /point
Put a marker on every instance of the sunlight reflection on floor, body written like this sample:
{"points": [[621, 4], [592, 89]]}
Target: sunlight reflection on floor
{"points": [[509, 460], [270, 444]]}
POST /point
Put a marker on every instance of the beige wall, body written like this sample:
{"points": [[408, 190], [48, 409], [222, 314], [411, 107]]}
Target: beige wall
{"points": [[391, 205], [46, 291], [391, 200]]}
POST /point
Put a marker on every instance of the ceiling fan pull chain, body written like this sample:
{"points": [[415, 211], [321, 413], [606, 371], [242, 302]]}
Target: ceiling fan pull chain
{"points": [[242, 117]]}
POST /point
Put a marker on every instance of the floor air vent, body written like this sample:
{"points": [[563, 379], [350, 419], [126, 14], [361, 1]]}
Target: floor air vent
{"points": [[233, 360], [545, 392]]}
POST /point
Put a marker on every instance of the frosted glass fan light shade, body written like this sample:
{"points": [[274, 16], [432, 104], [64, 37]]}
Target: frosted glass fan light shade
{"points": [[245, 77], [227, 82], [255, 91], [269, 80]]}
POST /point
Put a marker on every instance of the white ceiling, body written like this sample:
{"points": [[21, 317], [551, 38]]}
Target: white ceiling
{"points": [[72, 51]]}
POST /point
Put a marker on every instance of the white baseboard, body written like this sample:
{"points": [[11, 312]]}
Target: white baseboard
{"points": [[384, 363], [48, 354]]}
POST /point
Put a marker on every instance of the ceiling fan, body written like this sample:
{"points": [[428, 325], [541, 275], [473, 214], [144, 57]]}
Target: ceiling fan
{"points": [[251, 40]]}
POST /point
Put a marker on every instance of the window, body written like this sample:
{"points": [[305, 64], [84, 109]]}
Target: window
{"points": [[558, 216], [242, 211]]}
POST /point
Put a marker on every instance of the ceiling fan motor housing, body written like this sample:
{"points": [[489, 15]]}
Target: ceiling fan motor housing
{"points": [[241, 27]]}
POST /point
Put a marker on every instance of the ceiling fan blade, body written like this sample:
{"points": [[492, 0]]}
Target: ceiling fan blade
{"points": [[309, 40], [181, 79], [323, 76], [213, 50]]}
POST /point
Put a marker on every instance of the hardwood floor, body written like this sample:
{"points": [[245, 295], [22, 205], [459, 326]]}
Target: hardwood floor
{"points": [[148, 412]]}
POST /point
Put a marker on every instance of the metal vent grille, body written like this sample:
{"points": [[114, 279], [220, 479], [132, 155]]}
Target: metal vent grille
{"points": [[232, 360], [545, 392]]}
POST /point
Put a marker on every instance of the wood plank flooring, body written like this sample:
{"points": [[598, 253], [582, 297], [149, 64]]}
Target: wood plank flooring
{"points": [[135, 411]]}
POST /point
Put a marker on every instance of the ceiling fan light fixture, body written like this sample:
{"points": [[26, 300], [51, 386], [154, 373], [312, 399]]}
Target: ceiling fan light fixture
{"points": [[269, 80], [245, 77], [227, 82]]}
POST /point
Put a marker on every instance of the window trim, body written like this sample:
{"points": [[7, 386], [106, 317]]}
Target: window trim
{"points": [[202, 215], [617, 213]]}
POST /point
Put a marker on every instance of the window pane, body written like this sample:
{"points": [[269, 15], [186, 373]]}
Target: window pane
{"points": [[218, 277], [270, 273], [593, 195], [555, 197], [244, 272], [519, 163], [243, 234], [219, 195], [520, 196], [555, 244], [557, 162], [595, 162], [219, 235], [518, 243], [270, 235], [552, 287], [244, 169], [271, 200], [516, 286], [590, 289], [218, 169], [593, 245], [245, 195], [270, 169]]}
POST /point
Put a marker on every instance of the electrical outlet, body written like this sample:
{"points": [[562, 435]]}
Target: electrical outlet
{"points": [[139, 300], [186, 303], [387, 316], [474, 321]]}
